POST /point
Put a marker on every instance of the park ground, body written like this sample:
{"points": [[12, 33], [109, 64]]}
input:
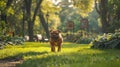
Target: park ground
{"points": [[35, 54]]}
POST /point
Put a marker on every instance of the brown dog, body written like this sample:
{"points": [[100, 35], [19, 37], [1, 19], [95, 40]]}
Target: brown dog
{"points": [[55, 40]]}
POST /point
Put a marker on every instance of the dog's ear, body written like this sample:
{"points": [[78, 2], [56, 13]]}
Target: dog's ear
{"points": [[51, 30]]}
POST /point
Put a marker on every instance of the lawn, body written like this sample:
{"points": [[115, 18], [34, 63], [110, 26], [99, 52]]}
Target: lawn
{"points": [[72, 55]]}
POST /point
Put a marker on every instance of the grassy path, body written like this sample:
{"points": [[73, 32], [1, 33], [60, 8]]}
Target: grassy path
{"points": [[72, 55]]}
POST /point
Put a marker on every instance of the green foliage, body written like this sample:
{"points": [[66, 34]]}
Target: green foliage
{"points": [[107, 41], [80, 37], [69, 14], [84, 6], [2, 5], [6, 10], [49, 7], [52, 10], [94, 23], [112, 15], [2, 27], [10, 11], [84, 40], [115, 24], [8, 40]]}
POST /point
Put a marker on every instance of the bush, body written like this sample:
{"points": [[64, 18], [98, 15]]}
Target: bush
{"points": [[80, 38], [84, 40], [8, 40], [107, 41]]}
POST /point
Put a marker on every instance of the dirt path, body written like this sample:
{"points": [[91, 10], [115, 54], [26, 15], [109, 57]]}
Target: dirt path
{"points": [[9, 63]]}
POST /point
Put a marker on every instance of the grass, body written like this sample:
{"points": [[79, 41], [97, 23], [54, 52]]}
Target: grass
{"points": [[72, 55]]}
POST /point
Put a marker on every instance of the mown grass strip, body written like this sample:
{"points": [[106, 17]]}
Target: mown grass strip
{"points": [[72, 55]]}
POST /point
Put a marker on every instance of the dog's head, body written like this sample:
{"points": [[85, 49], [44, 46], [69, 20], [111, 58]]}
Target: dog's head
{"points": [[55, 34]]}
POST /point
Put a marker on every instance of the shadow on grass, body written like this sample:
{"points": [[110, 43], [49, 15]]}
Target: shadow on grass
{"points": [[37, 44], [21, 55]]}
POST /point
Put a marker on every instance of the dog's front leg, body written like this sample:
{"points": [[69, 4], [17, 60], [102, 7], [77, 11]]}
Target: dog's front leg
{"points": [[52, 47], [59, 47]]}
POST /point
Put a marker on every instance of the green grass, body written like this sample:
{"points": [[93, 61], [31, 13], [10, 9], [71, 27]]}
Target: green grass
{"points": [[72, 55]]}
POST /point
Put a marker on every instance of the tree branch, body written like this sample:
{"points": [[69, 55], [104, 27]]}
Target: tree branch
{"points": [[96, 7], [36, 10]]}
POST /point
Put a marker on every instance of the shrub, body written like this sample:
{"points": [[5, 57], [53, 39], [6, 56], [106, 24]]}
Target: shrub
{"points": [[84, 40], [5, 40], [79, 38], [110, 40]]}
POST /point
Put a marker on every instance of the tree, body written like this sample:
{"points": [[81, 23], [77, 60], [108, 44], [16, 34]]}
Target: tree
{"points": [[84, 6], [4, 10], [30, 20], [94, 24], [49, 21], [114, 15], [103, 11], [44, 23], [70, 12], [109, 18]]}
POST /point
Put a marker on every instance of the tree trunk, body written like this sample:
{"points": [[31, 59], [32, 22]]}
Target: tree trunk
{"points": [[23, 25], [30, 30], [118, 13], [29, 19], [3, 17], [36, 9], [44, 23], [103, 12], [23, 20], [103, 15], [3, 13], [28, 4]]}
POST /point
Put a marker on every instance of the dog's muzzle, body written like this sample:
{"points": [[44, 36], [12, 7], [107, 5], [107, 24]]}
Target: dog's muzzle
{"points": [[55, 37]]}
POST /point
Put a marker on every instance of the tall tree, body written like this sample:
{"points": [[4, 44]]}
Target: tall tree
{"points": [[23, 19], [28, 4], [44, 23], [30, 18], [109, 14], [48, 16], [84, 6], [103, 12], [5, 11]]}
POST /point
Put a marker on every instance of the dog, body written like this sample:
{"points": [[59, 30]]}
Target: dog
{"points": [[56, 39]]}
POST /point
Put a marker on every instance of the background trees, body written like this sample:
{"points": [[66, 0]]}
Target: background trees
{"points": [[28, 17], [20, 16]]}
